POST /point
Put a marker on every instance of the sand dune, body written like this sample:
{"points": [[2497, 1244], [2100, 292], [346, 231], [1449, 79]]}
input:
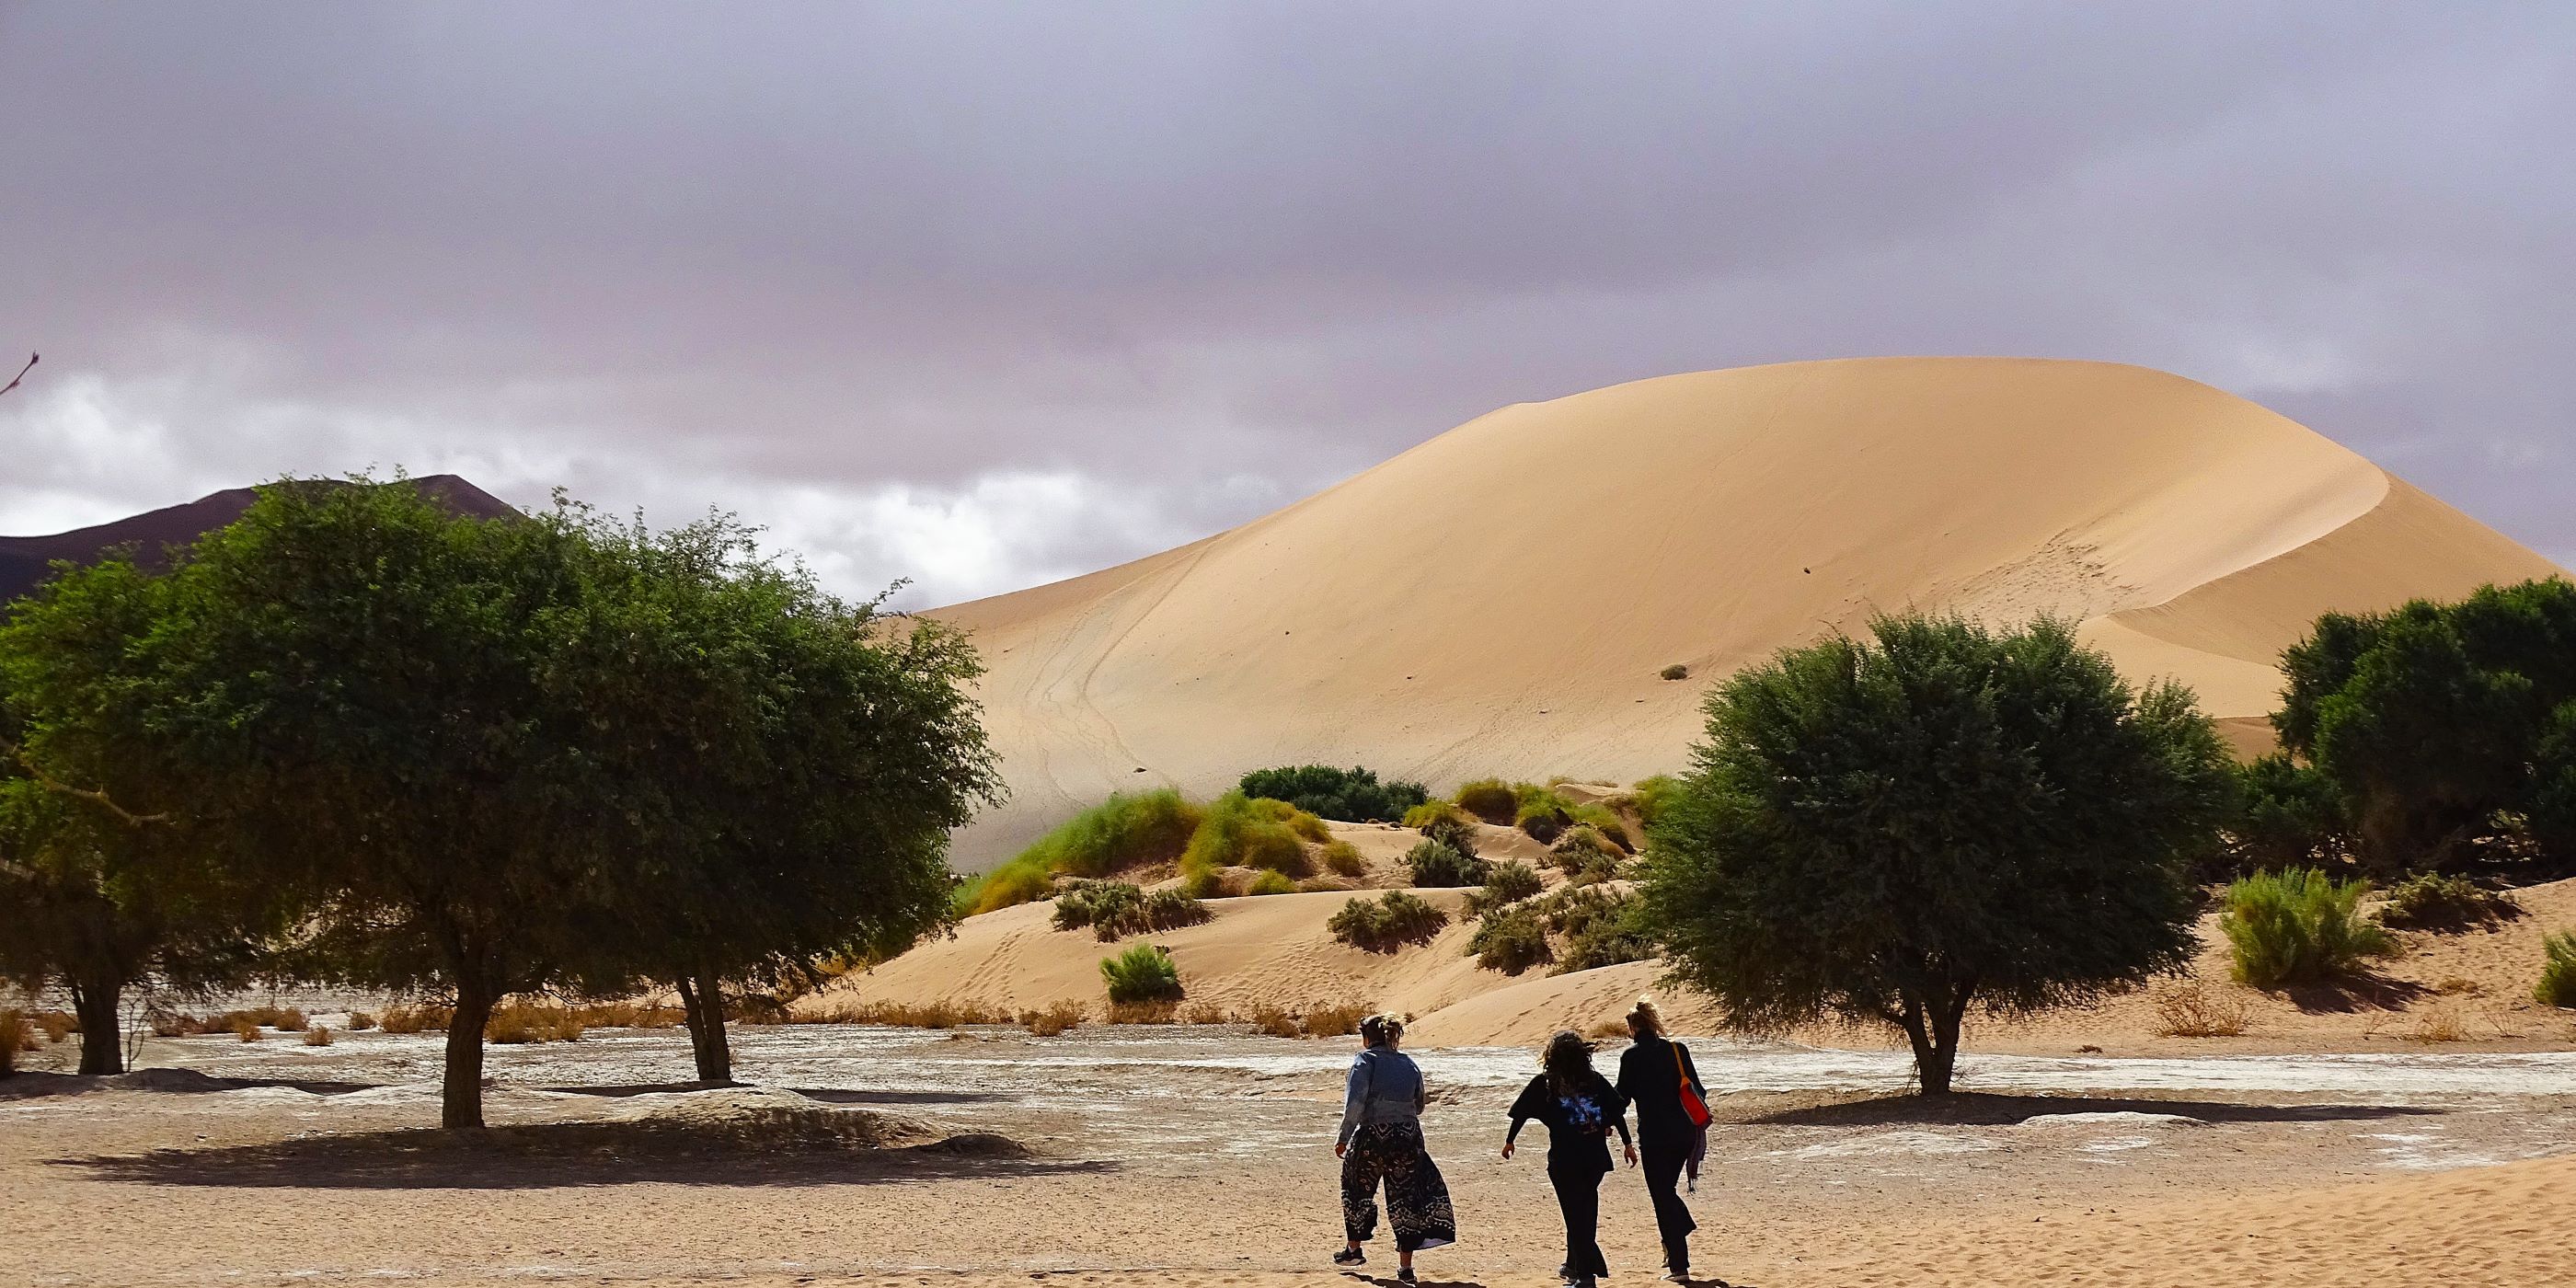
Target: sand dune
{"points": [[1500, 598]]}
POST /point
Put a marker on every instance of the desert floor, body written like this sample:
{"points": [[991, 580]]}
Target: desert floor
{"points": [[1187, 1156]]}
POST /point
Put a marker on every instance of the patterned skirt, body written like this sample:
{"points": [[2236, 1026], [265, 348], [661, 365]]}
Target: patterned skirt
{"points": [[1417, 1200]]}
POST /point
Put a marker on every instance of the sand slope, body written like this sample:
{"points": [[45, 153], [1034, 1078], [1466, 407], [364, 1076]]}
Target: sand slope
{"points": [[1500, 598]]}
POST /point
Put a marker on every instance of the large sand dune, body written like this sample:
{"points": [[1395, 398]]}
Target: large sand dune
{"points": [[1501, 598]]}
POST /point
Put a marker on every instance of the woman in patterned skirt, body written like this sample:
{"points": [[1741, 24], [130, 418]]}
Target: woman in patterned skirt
{"points": [[1381, 1141]]}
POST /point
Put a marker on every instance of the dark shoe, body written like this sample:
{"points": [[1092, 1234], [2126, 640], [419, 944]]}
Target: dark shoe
{"points": [[1405, 1275], [1350, 1257]]}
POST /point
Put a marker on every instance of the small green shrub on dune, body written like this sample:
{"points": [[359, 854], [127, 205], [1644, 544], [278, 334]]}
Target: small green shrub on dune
{"points": [[1432, 864], [1541, 813], [1243, 832], [1653, 795], [1387, 923], [2299, 927], [1490, 799], [1582, 846], [1116, 909], [1614, 934], [1128, 830], [1605, 820], [2433, 901], [1142, 974], [1423, 815], [1342, 859], [1457, 833], [1270, 883], [2558, 971], [1511, 940], [1506, 883], [1352, 795]]}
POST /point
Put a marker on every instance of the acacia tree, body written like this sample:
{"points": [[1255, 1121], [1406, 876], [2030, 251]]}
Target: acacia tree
{"points": [[1939, 818], [791, 764], [105, 888], [2439, 724]]}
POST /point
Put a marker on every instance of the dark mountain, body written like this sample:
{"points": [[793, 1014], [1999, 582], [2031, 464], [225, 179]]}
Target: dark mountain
{"points": [[26, 561]]}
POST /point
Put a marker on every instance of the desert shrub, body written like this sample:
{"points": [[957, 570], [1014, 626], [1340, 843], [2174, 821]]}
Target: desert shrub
{"points": [[1272, 1020], [1128, 830], [1595, 870], [289, 1020], [1270, 883], [55, 1025], [1022, 880], [2285, 815], [1352, 795], [1053, 1020], [916, 1015], [648, 1015], [1342, 859], [1506, 883], [2558, 971], [1203, 1013], [2191, 1010], [360, 1021], [1652, 795], [1455, 831], [1512, 940], [1387, 923], [1541, 814], [1676, 671], [1422, 815], [318, 1035], [1581, 846], [513, 1023], [1144, 973], [2297, 927], [2435, 901], [1434, 864], [1490, 799], [1334, 1019], [246, 1029], [1601, 930], [1163, 1011], [1606, 821], [1116, 909], [1206, 883], [1242, 832], [1326, 884], [417, 1019], [13, 1039]]}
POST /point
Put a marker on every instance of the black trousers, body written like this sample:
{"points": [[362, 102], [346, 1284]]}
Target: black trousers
{"points": [[1578, 1196], [1663, 1160]]}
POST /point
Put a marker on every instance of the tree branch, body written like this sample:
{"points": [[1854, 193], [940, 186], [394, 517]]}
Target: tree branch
{"points": [[22, 373], [101, 799]]}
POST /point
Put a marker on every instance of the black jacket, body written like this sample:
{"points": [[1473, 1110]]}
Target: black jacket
{"points": [[1578, 1124], [1649, 1079]]}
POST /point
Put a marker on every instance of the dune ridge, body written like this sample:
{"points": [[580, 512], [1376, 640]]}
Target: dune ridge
{"points": [[1500, 598]]}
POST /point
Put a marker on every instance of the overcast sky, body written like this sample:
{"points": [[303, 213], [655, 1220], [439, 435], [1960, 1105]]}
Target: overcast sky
{"points": [[984, 295]]}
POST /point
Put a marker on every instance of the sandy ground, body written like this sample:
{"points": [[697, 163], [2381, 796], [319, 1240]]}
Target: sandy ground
{"points": [[1501, 599], [1184, 1156]]}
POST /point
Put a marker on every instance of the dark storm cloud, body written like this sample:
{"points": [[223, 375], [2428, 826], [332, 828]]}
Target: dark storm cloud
{"points": [[986, 293]]}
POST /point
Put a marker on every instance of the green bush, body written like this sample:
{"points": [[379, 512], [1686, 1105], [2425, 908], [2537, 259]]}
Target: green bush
{"points": [[1128, 830], [1606, 821], [1144, 973], [1541, 813], [2298, 927], [1506, 883], [1583, 846], [1653, 795], [1341, 858], [2286, 815], [2558, 972], [2434, 901], [1676, 671], [1433, 864], [1490, 799], [1425, 814], [1387, 923], [1242, 832], [1116, 909], [1270, 883], [1353, 795], [1511, 940], [1607, 932], [1455, 832]]}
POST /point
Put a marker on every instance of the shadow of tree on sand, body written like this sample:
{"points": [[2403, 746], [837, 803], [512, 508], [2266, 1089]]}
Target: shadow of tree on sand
{"points": [[2354, 992], [827, 1095], [1979, 1109], [778, 1148]]}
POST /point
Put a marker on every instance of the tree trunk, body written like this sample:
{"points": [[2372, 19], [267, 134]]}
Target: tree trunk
{"points": [[461, 1093], [702, 998], [1933, 1030], [102, 1036]]}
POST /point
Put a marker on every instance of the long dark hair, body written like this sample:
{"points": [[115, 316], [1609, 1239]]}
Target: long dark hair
{"points": [[1568, 1060]]}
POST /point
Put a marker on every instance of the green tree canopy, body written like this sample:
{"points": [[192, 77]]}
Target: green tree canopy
{"points": [[1352, 795], [1897, 829], [2438, 724]]}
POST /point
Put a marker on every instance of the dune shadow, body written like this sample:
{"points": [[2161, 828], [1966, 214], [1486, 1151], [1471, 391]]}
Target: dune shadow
{"points": [[31, 1084], [2352, 993], [1986, 1109], [775, 1149]]}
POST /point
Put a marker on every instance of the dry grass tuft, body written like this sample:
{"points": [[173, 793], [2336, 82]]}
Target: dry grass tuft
{"points": [[516, 1023], [244, 1029], [1274, 1021], [318, 1035], [55, 1025], [908, 1015], [1054, 1019], [1334, 1019], [1156, 1011], [425, 1018], [360, 1021], [1341, 858], [1205, 1013], [2439, 1024], [2193, 1010]]}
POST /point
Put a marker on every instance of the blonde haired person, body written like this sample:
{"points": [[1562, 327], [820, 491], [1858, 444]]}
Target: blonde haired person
{"points": [[1381, 1141], [1652, 1073]]}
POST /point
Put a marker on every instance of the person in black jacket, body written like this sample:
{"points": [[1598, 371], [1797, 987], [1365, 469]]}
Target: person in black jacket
{"points": [[1580, 1108], [1651, 1075]]}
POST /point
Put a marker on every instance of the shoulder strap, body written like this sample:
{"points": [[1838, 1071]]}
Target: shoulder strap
{"points": [[1678, 1073]]}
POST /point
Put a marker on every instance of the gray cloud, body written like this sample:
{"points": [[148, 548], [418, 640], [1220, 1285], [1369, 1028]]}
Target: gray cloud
{"points": [[984, 294]]}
